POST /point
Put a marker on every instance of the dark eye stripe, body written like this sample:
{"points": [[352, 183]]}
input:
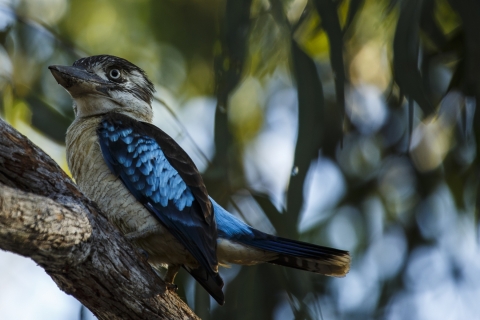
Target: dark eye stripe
{"points": [[144, 92]]}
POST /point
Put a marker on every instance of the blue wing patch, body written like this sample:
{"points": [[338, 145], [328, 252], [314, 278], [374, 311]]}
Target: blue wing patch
{"points": [[163, 178], [144, 166]]}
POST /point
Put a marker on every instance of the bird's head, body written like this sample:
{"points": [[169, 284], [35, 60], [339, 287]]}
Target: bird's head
{"points": [[103, 83]]}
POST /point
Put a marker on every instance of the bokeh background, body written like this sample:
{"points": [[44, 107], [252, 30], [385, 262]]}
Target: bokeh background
{"points": [[345, 123]]}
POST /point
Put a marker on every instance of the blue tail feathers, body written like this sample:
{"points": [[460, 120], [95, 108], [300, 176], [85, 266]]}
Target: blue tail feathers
{"points": [[290, 253], [302, 255]]}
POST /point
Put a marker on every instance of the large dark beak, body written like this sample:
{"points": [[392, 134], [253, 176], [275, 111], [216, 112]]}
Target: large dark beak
{"points": [[78, 81]]}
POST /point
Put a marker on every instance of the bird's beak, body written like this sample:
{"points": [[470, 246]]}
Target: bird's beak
{"points": [[78, 81]]}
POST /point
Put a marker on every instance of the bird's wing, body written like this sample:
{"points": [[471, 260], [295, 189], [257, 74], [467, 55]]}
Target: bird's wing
{"points": [[156, 170]]}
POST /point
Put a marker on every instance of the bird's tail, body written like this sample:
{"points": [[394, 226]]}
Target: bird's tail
{"points": [[213, 283], [304, 256]]}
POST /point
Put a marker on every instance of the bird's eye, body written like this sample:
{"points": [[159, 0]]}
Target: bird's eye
{"points": [[114, 74]]}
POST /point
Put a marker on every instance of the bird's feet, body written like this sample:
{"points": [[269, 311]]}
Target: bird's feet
{"points": [[170, 277], [171, 286], [143, 253]]}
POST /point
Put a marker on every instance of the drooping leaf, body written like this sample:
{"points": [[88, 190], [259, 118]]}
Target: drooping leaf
{"points": [[469, 11], [405, 54], [230, 55], [411, 110], [273, 214], [353, 8], [457, 45], [327, 10], [309, 140], [430, 26], [4, 33], [232, 49]]}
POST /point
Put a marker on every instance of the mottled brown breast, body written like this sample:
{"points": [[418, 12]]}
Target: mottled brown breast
{"points": [[94, 178], [96, 181]]}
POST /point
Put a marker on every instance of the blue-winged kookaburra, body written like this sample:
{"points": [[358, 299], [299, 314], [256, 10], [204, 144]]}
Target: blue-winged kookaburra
{"points": [[152, 191]]}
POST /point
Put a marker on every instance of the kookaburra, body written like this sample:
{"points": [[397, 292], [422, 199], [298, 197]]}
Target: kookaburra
{"points": [[151, 190]]}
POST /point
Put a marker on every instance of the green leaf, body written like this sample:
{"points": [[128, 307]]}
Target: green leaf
{"points": [[429, 25], [353, 9], [230, 55], [327, 10], [405, 54], [310, 131], [469, 11]]}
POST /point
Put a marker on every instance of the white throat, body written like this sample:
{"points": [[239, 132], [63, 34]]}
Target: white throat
{"points": [[93, 105]]}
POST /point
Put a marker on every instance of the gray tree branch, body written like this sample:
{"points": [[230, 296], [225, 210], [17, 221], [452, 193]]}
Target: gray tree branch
{"points": [[45, 217]]}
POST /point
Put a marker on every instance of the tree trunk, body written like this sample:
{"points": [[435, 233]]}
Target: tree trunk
{"points": [[45, 217]]}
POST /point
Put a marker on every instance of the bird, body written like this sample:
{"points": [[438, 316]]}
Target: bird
{"points": [[151, 190]]}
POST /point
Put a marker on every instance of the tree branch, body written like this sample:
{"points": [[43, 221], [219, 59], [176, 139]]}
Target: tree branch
{"points": [[40, 228], [45, 217]]}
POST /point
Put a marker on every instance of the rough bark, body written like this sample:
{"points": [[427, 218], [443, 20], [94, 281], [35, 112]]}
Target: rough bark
{"points": [[45, 217]]}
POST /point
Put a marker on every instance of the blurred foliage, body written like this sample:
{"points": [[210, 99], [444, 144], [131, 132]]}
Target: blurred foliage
{"points": [[347, 123]]}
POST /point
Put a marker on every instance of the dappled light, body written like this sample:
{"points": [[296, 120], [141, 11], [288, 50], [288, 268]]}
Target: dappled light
{"points": [[346, 123]]}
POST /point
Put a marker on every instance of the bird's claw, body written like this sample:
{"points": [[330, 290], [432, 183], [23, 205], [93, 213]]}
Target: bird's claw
{"points": [[172, 286], [143, 253]]}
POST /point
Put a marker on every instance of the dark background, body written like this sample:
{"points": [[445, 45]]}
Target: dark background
{"points": [[350, 124]]}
